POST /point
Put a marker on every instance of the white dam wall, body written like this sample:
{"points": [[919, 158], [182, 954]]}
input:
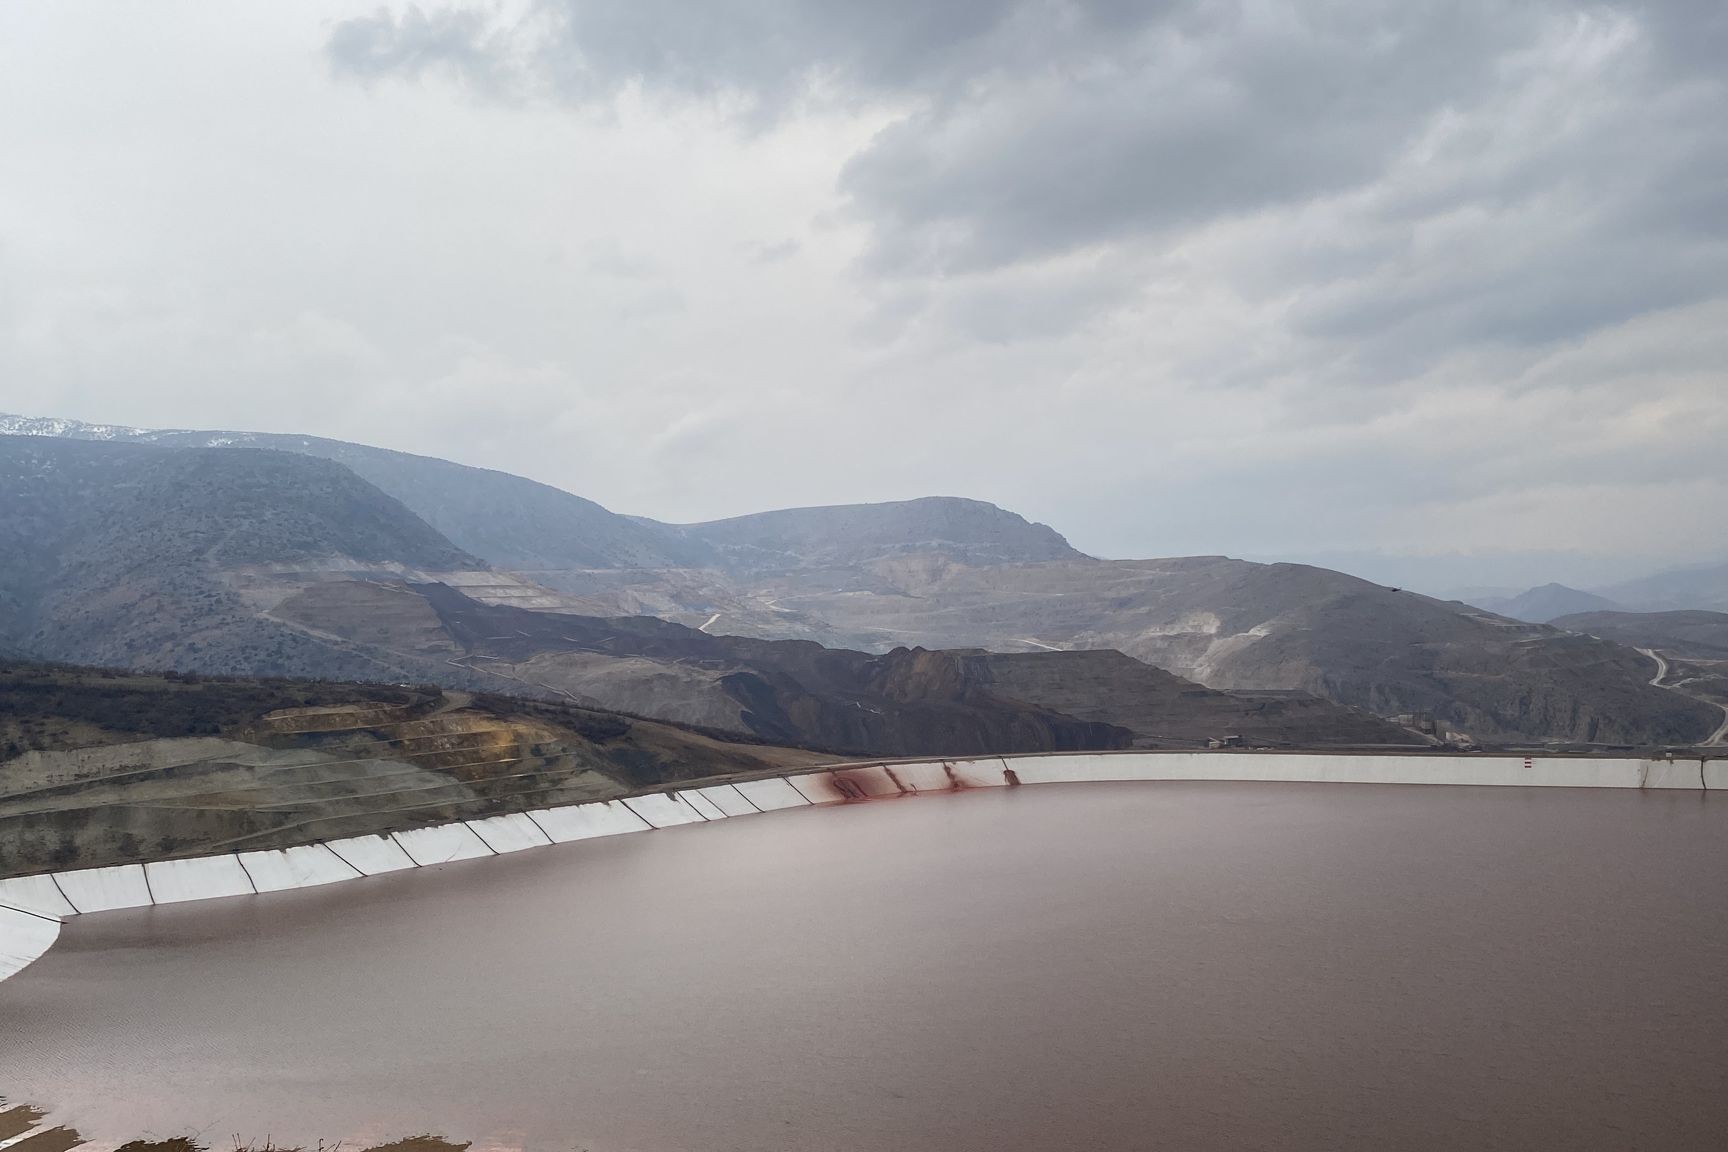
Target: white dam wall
{"points": [[31, 907], [24, 936]]}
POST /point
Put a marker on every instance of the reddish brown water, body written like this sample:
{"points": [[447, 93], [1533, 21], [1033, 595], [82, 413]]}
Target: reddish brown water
{"points": [[1092, 966]]}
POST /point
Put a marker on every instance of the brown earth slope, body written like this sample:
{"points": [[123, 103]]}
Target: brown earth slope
{"points": [[1165, 711], [98, 767], [903, 702], [1231, 624]]}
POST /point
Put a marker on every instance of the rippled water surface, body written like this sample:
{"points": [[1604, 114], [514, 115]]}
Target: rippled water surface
{"points": [[1193, 967]]}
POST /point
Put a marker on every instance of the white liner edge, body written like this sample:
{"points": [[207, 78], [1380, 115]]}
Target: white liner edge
{"points": [[31, 906]]}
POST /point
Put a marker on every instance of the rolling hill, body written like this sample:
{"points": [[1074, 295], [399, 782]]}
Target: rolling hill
{"points": [[847, 535], [1698, 635], [1542, 605], [1232, 624], [907, 701], [506, 520], [248, 561], [206, 560], [1702, 587], [128, 554], [941, 573]]}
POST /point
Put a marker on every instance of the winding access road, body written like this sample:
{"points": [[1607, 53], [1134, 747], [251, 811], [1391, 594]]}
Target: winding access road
{"points": [[1716, 738]]}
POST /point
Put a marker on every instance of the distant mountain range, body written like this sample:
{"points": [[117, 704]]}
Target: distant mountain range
{"points": [[238, 560], [208, 560], [1701, 588], [525, 526], [1544, 604], [968, 532], [342, 580], [514, 523], [128, 554]]}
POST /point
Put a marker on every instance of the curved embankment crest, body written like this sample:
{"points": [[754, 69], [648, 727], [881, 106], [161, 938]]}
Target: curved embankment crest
{"points": [[31, 906]]}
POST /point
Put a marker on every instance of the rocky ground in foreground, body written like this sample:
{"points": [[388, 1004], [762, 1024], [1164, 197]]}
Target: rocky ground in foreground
{"points": [[32, 1130]]}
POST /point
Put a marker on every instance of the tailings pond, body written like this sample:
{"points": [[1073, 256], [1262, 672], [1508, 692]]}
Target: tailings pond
{"points": [[1091, 966]]}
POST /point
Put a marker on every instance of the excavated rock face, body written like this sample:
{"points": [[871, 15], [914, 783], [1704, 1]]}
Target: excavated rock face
{"points": [[330, 718], [195, 557], [1164, 710], [1230, 624], [919, 674], [346, 760], [903, 703], [237, 560]]}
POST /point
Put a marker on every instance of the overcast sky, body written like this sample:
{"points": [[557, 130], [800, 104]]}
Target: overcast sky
{"points": [[1359, 280]]}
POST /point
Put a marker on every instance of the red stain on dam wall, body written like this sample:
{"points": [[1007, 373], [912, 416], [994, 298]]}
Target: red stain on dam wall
{"points": [[891, 781]]}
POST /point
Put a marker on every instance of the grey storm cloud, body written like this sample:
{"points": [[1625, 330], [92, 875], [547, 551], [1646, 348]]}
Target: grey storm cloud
{"points": [[1030, 129], [1276, 276], [1169, 124]]}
